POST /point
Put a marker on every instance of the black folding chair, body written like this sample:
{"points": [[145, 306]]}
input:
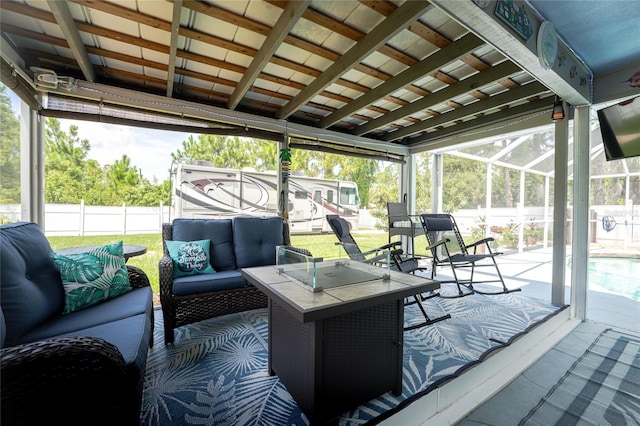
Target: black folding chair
{"points": [[449, 249], [378, 256]]}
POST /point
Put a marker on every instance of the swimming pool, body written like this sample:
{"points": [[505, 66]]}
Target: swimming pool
{"points": [[619, 275]]}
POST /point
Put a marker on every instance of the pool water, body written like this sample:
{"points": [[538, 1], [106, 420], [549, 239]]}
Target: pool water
{"points": [[616, 274]]}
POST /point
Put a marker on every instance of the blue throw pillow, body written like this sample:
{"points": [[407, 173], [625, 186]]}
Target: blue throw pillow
{"points": [[91, 277], [190, 257]]}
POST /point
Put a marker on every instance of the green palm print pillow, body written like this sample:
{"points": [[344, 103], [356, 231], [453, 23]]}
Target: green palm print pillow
{"points": [[91, 277], [190, 257]]}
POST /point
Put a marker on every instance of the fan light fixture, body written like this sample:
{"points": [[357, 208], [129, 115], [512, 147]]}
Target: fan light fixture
{"points": [[558, 110]]}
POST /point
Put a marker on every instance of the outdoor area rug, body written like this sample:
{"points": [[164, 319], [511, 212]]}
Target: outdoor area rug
{"points": [[601, 388], [216, 371]]}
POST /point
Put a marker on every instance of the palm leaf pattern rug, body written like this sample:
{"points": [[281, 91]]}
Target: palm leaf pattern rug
{"points": [[216, 371]]}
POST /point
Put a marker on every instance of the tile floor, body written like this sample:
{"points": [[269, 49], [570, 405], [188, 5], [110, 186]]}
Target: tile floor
{"points": [[604, 310]]}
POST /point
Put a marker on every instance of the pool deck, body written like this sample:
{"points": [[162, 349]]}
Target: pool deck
{"points": [[532, 271]]}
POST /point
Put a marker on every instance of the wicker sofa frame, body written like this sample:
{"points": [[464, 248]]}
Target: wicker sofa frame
{"points": [[40, 379], [187, 309], [179, 310]]}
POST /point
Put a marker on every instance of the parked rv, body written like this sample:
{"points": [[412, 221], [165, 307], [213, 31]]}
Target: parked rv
{"points": [[209, 192]]}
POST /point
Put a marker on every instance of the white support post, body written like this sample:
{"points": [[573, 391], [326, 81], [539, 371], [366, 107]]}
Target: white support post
{"points": [[407, 189], [436, 184], [559, 211], [545, 237], [487, 207], [628, 223], [82, 217], [124, 218], [521, 218], [580, 236], [410, 188], [31, 166]]}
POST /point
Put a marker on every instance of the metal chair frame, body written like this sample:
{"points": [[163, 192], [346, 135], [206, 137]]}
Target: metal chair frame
{"points": [[397, 213], [435, 227]]}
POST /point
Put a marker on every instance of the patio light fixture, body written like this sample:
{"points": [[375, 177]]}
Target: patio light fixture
{"points": [[558, 111]]}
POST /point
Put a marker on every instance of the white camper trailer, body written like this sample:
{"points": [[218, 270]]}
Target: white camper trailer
{"points": [[209, 192]]}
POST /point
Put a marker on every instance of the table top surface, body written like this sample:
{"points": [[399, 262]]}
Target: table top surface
{"points": [[128, 250], [306, 304]]}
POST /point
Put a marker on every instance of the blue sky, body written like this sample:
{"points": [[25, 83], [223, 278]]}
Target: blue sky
{"points": [[150, 150]]}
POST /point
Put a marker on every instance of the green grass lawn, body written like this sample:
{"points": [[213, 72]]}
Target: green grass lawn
{"points": [[321, 245]]}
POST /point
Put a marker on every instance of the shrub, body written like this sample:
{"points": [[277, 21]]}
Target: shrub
{"points": [[509, 237], [532, 233]]}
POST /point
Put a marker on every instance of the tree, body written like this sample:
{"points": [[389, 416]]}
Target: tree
{"points": [[69, 175], [464, 183], [383, 189], [9, 151], [223, 151], [424, 165], [121, 175]]}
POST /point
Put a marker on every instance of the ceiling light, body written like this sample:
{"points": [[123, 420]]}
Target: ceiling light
{"points": [[558, 110]]}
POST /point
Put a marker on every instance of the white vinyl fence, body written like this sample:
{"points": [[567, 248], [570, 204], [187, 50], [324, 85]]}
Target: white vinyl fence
{"points": [[78, 219]]}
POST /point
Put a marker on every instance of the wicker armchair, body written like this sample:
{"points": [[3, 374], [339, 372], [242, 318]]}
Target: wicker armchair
{"points": [[182, 309], [80, 379]]}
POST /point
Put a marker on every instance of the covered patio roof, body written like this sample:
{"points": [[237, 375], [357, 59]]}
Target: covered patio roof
{"points": [[391, 77]]}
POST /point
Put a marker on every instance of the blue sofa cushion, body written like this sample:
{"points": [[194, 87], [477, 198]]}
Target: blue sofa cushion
{"points": [[130, 335], [255, 240], [136, 302], [31, 289], [194, 284], [218, 231]]}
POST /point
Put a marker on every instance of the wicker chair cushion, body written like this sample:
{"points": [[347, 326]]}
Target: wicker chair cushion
{"points": [[30, 288], [205, 283], [190, 257], [218, 231], [92, 277], [255, 240]]}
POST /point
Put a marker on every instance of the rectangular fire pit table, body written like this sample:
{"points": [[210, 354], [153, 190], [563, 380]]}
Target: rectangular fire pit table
{"points": [[341, 346]]}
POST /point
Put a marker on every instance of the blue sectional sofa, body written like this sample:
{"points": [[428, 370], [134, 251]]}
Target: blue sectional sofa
{"points": [[84, 367], [233, 244]]}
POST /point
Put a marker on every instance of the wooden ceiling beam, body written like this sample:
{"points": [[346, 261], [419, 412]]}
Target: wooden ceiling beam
{"points": [[467, 85], [405, 78], [173, 46], [497, 101], [391, 26]]}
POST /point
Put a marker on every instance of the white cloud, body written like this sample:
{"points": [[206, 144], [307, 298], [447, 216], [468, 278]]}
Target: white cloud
{"points": [[149, 150]]}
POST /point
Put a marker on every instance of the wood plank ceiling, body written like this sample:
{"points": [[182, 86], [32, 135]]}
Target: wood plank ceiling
{"points": [[390, 72]]}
